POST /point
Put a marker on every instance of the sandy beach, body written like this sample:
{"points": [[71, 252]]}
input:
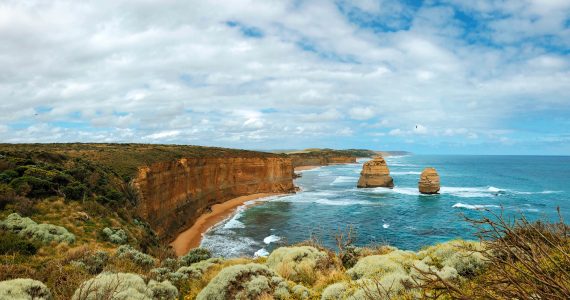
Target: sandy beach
{"points": [[304, 168], [192, 237]]}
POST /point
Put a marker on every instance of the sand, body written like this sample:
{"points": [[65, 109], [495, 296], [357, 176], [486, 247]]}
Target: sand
{"points": [[304, 168], [191, 237]]}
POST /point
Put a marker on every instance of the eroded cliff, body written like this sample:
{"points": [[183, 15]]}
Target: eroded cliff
{"points": [[174, 194]]}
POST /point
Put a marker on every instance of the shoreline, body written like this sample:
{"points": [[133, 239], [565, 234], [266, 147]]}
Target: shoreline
{"points": [[192, 237], [305, 168]]}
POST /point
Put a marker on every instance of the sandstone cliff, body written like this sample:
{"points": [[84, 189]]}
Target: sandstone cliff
{"points": [[375, 173], [429, 181], [299, 161], [174, 194]]}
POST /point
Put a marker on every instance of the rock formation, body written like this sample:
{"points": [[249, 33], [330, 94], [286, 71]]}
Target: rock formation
{"points": [[429, 181], [174, 194], [375, 173]]}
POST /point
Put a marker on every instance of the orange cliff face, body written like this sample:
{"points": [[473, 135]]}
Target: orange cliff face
{"points": [[174, 194], [299, 161]]}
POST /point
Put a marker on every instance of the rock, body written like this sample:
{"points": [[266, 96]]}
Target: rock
{"points": [[429, 181], [375, 173]]}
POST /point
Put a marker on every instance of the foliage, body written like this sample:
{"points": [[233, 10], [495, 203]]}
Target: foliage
{"points": [[94, 263], [297, 263], [11, 243], [44, 233], [141, 259], [113, 286], [24, 289], [250, 281], [195, 255], [115, 235]]}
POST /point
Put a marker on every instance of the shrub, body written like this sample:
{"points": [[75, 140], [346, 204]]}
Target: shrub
{"points": [[94, 263], [116, 235], [139, 258], [33, 187], [196, 270], [337, 291], [301, 292], [11, 243], [7, 195], [297, 263], [44, 233], [163, 290], [463, 256], [195, 255], [376, 266], [7, 176], [24, 289], [250, 281], [75, 191], [113, 286]]}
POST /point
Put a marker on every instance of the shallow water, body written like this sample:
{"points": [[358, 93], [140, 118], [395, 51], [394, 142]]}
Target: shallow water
{"points": [[401, 217]]}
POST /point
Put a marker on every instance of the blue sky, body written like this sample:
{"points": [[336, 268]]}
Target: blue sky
{"points": [[467, 77]]}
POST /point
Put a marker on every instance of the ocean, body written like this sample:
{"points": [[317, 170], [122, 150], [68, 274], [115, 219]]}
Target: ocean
{"points": [[329, 203]]}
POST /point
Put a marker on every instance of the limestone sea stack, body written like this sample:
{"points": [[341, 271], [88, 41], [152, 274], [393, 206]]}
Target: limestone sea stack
{"points": [[429, 181], [375, 173]]}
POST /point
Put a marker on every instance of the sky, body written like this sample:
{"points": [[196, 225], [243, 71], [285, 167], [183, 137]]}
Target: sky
{"points": [[432, 77]]}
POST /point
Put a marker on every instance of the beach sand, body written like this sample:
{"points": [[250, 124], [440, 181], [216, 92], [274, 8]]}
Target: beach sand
{"points": [[304, 168], [192, 237]]}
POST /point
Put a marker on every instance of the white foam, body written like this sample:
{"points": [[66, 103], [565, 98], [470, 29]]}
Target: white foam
{"points": [[386, 225], [343, 179], [469, 192], [406, 173], [473, 206], [532, 193], [341, 202], [261, 253], [406, 191], [233, 223], [271, 239]]}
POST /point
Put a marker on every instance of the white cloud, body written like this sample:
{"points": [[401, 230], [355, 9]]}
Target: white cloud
{"points": [[361, 113]]}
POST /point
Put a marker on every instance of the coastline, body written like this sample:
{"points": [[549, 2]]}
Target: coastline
{"points": [[191, 237], [305, 168]]}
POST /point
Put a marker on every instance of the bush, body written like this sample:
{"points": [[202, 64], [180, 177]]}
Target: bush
{"points": [[250, 281], [113, 286], [163, 290], [11, 243], [7, 195], [33, 187], [195, 255], [337, 291], [198, 269], [376, 266], [44, 233], [463, 256], [75, 191], [116, 236], [24, 289], [94, 263], [297, 263], [139, 258]]}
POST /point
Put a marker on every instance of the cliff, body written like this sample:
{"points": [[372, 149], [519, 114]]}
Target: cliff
{"points": [[375, 173], [174, 194], [323, 157]]}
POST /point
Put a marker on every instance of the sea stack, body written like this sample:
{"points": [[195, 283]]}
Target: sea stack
{"points": [[429, 181], [375, 173]]}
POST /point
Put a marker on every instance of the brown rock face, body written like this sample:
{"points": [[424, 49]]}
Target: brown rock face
{"points": [[299, 161], [174, 194], [429, 181], [375, 173]]}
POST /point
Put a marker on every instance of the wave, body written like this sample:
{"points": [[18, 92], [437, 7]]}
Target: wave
{"points": [[342, 202], [406, 173], [271, 239], [261, 253], [385, 225], [343, 179], [474, 206], [533, 193]]}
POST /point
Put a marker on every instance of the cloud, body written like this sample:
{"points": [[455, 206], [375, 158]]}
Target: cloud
{"points": [[361, 113], [285, 74]]}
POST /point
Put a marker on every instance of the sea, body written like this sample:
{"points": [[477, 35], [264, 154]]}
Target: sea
{"points": [[329, 203]]}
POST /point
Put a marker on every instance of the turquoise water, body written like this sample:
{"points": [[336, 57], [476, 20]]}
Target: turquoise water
{"points": [[329, 201]]}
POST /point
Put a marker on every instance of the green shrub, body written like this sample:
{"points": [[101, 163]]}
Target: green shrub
{"points": [[116, 235], [163, 290], [24, 289], [297, 263], [376, 266], [113, 286], [7, 195], [336, 291], [139, 258], [8, 175], [33, 187], [11, 243], [196, 270], [249, 281], [44, 233], [195, 255], [463, 256], [94, 263], [75, 191]]}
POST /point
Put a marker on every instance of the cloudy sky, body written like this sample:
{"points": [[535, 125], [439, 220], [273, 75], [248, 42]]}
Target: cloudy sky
{"points": [[487, 77]]}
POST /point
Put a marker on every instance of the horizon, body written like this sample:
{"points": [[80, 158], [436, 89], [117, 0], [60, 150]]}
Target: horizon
{"points": [[428, 77]]}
